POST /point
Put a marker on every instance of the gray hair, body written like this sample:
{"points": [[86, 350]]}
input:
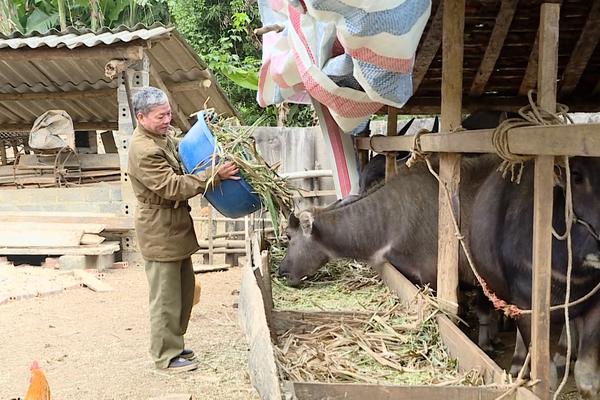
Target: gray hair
{"points": [[147, 98]]}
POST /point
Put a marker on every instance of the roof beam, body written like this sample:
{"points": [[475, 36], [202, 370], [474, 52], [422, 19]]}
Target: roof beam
{"points": [[79, 126], [429, 48], [69, 95], [530, 78], [130, 52], [492, 52], [179, 116], [583, 51]]}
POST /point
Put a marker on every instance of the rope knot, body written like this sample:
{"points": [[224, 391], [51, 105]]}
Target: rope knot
{"points": [[416, 152]]}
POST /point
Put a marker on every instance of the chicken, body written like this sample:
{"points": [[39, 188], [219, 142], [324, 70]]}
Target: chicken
{"points": [[38, 385]]}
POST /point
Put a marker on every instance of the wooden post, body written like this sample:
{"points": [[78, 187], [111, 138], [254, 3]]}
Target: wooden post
{"points": [[392, 129], [3, 159], [452, 68], [542, 211], [210, 236]]}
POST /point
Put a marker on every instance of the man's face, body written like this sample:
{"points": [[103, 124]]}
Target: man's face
{"points": [[157, 120]]}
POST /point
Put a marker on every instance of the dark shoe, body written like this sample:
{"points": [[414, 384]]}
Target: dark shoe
{"points": [[179, 364], [188, 354]]}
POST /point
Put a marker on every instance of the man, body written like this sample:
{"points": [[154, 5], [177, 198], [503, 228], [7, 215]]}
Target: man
{"points": [[164, 227]]}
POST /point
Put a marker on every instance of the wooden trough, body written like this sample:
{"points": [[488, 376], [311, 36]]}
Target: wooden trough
{"points": [[261, 323]]}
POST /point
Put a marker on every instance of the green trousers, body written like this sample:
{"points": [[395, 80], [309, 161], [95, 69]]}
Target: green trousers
{"points": [[171, 287]]}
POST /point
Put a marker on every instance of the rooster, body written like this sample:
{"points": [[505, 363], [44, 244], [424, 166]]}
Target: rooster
{"points": [[38, 385]]}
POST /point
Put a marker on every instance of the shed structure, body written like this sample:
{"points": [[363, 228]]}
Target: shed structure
{"points": [[487, 55], [66, 71]]}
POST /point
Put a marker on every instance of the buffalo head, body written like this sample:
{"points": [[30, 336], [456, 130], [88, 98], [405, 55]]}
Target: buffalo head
{"points": [[585, 184], [305, 254]]}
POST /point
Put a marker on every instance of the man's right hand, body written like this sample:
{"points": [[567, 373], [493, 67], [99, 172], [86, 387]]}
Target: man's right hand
{"points": [[228, 171]]}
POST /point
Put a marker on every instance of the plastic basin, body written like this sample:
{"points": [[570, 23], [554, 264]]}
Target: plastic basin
{"points": [[232, 198]]}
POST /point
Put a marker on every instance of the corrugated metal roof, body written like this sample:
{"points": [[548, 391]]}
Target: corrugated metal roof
{"points": [[72, 37], [172, 57]]}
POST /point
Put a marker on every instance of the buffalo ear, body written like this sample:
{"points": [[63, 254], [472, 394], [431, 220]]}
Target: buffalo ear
{"points": [[293, 221], [306, 223]]}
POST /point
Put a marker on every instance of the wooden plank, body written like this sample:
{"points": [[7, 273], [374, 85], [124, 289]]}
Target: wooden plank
{"points": [[542, 210], [179, 116], [89, 238], [29, 238], [91, 281], [58, 95], [469, 356], [202, 268], [354, 391], [452, 67], [397, 283], [223, 243], [87, 162], [84, 250], [108, 141], [392, 129], [78, 126], [265, 271], [573, 139], [45, 226], [261, 360], [588, 40], [494, 47], [111, 222], [429, 48], [133, 51]]}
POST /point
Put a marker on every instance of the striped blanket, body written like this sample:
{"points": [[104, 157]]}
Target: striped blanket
{"points": [[352, 56]]}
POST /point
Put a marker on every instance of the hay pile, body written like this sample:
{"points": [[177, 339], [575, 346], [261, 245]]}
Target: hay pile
{"points": [[385, 342]]}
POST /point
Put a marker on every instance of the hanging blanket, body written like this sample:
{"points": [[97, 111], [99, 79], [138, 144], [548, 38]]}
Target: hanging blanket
{"points": [[352, 56]]}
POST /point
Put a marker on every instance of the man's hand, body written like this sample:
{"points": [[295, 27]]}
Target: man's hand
{"points": [[228, 171]]}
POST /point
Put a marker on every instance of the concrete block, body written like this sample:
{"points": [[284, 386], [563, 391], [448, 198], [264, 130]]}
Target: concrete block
{"points": [[100, 262], [72, 262]]}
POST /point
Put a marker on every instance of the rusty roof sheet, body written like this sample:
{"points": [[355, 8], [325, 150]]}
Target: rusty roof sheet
{"points": [[177, 64]]}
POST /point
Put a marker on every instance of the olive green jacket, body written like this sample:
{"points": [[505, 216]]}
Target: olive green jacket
{"points": [[163, 224]]}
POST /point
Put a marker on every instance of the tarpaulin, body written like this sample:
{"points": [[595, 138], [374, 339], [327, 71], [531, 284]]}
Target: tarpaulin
{"points": [[350, 56]]}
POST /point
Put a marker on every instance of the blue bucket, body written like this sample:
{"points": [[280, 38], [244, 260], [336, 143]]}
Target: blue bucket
{"points": [[231, 198]]}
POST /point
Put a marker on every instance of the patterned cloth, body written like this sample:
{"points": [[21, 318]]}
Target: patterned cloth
{"points": [[352, 56]]}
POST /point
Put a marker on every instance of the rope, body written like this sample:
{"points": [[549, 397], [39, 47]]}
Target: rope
{"points": [[531, 115], [416, 153], [568, 221]]}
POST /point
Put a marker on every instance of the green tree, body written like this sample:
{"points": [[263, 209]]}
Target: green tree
{"points": [[222, 33]]}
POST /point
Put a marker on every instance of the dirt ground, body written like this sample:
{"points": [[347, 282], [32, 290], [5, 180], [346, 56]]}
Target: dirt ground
{"points": [[94, 345]]}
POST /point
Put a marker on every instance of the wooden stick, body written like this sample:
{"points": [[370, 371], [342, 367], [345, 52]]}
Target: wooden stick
{"points": [[392, 130], [134, 51], [452, 50], [268, 28], [542, 208], [210, 236]]}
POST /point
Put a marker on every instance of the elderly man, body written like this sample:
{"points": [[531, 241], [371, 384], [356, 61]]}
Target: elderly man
{"points": [[164, 227]]}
